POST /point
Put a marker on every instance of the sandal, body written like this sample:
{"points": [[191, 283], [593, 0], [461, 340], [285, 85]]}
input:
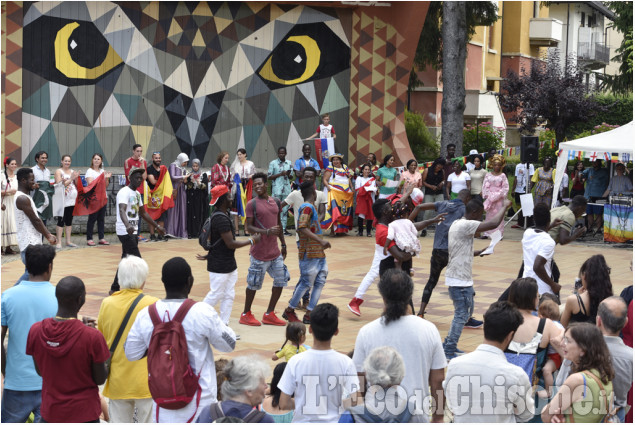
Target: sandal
{"points": [[71, 245], [58, 246], [90, 243], [103, 242]]}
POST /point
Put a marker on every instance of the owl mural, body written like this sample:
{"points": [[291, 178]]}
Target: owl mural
{"points": [[193, 77]]}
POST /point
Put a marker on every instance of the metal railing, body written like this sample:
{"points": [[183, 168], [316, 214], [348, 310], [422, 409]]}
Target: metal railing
{"points": [[594, 52]]}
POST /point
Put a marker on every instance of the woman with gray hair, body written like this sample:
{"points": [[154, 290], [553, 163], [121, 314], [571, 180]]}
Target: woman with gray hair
{"points": [[243, 389], [385, 399], [127, 384]]}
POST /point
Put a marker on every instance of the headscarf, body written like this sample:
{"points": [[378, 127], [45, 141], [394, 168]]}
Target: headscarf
{"points": [[180, 159], [498, 158]]}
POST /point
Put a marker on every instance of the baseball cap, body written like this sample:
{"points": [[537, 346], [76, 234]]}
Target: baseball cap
{"points": [[217, 192], [473, 152], [136, 170]]}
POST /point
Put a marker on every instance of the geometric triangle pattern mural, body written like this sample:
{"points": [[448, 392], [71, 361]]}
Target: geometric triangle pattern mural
{"points": [[197, 74], [196, 77], [12, 80]]}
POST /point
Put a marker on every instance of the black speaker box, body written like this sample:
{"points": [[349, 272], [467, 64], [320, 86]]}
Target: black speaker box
{"points": [[529, 149]]}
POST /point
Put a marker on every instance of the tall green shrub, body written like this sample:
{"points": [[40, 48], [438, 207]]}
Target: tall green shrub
{"points": [[619, 112], [486, 138], [424, 145]]}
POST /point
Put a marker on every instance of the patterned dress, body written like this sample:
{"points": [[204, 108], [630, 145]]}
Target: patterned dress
{"points": [[544, 187], [495, 189], [8, 215]]}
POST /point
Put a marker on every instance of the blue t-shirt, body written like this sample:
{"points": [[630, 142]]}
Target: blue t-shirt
{"points": [[455, 210], [300, 164], [22, 306], [233, 409], [597, 182]]}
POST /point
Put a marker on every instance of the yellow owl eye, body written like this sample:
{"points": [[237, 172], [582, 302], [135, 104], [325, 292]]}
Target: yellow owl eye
{"points": [[81, 52], [294, 61]]}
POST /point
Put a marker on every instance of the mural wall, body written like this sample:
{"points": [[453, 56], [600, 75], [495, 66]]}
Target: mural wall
{"points": [[202, 77]]}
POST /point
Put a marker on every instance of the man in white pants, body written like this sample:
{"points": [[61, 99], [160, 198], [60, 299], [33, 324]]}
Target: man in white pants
{"points": [[221, 260]]}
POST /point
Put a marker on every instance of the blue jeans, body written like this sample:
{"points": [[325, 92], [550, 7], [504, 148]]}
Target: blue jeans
{"points": [[313, 272], [463, 300], [18, 405], [25, 276], [307, 294]]}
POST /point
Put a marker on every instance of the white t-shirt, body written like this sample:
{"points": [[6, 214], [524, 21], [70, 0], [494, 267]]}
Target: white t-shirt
{"points": [[535, 244], [459, 182], [295, 199], [39, 174], [419, 343], [92, 174], [520, 172], [26, 233], [326, 131], [320, 379], [461, 250], [202, 327], [134, 202], [469, 167]]}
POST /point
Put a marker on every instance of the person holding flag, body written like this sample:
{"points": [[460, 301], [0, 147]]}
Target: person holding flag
{"points": [[325, 130], [242, 170], [43, 193], [365, 187], [339, 206], [94, 199], [129, 209], [157, 197]]}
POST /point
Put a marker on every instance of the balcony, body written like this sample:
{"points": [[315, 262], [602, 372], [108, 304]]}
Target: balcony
{"points": [[593, 55], [545, 32]]}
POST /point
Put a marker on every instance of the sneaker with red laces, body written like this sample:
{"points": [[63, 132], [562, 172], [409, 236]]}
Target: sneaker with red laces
{"points": [[272, 319], [307, 318], [248, 319], [290, 315], [353, 306]]}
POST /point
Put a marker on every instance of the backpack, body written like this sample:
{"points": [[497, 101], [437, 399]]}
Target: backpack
{"points": [[216, 412], [170, 377], [206, 232]]}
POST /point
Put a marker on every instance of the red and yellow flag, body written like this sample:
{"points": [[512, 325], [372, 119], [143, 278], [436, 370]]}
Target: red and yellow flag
{"points": [[159, 199]]}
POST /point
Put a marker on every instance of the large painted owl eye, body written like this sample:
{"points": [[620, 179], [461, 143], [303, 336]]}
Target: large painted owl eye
{"points": [[82, 52], [309, 52], [68, 52]]}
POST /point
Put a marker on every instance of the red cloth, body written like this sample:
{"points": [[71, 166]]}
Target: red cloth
{"points": [[162, 200], [381, 234], [64, 353], [249, 189], [128, 164], [91, 198], [556, 359], [365, 202]]}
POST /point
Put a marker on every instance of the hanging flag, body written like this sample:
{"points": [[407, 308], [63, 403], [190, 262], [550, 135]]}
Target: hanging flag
{"points": [[607, 157], [541, 144], [571, 155], [580, 155], [241, 198], [553, 143], [323, 149], [429, 164], [560, 151], [421, 167], [592, 156], [510, 151], [91, 198], [626, 157], [159, 199], [615, 157]]}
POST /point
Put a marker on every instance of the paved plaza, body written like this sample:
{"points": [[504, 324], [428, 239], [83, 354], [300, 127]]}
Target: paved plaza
{"points": [[348, 262]]}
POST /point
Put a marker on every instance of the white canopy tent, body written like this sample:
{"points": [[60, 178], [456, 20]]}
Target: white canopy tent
{"points": [[618, 141]]}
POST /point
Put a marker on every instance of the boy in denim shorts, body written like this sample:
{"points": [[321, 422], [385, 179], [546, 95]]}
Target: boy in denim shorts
{"points": [[263, 216]]}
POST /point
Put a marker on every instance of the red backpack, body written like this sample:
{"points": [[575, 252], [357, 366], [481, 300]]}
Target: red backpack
{"points": [[170, 377]]}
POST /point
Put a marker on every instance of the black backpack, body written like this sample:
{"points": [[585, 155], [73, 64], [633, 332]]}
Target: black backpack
{"points": [[206, 232]]}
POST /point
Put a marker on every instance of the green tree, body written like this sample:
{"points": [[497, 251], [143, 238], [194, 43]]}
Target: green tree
{"points": [[424, 145], [622, 83], [465, 17]]}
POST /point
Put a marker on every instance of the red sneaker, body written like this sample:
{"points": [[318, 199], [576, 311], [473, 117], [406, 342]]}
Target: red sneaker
{"points": [[290, 315], [353, 306], [248, 319], [272, 319]]}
